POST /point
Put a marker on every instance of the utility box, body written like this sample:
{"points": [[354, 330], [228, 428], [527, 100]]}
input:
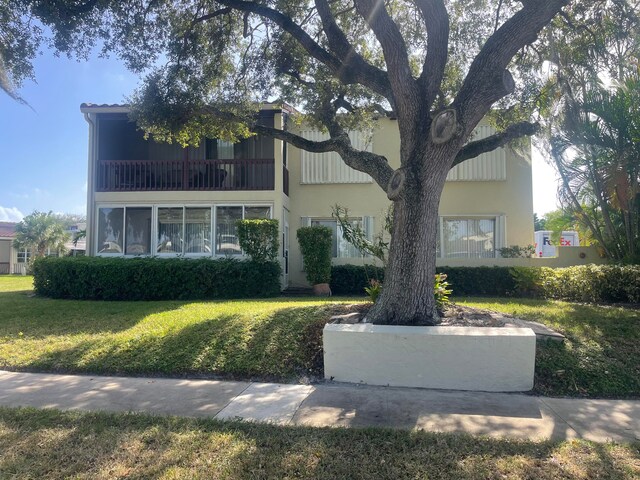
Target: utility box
{"points": [[545, 247]]}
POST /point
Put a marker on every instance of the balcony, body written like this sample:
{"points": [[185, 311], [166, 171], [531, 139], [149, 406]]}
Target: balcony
{"points": [[167, 175]]}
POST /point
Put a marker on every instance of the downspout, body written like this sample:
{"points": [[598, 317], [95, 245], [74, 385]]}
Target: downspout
{"points": [[90, 186]]}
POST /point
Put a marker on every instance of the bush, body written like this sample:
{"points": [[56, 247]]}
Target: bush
{"points": [[593, 283], [95, 278], [353, 279], [584, 283], [315, 245], [490, 281], [259, 239]]}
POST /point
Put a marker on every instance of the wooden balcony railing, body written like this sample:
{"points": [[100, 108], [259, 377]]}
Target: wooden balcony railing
{"points": [[152, 175]]}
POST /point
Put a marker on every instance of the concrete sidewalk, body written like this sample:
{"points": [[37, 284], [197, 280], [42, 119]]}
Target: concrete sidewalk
{"points": [[495, 414]]}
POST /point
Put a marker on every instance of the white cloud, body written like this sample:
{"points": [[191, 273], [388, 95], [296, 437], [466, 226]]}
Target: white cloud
{"points": [[10, 214]]}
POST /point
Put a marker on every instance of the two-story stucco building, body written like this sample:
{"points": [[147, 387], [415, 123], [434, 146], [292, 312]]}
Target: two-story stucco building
{"points": [[146, 198]]}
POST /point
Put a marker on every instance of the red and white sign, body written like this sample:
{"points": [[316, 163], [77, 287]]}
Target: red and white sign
{"points": [[545, 247]]}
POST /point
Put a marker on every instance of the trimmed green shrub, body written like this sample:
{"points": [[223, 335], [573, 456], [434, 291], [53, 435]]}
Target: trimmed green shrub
{"points": [[96, 278], [490, 281], [259, 239], [593, 283], [353, 279], [315, 245], [584, 283]]}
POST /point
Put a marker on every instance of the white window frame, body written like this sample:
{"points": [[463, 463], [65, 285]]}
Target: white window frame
{"points": [[212, 224], [498, 234], [361, 219], [97, 228], [154, 227], [215, 224]]}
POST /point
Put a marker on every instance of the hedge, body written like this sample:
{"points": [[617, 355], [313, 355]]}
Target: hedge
{"points": [[95, 278], [584, 283]]}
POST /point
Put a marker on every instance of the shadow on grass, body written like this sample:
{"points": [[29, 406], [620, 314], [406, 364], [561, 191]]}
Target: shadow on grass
{"points": [[50, 444], [284, 344]]}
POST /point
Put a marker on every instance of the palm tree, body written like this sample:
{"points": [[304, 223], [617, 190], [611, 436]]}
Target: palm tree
{"points": [[40, 232], [597, 153]]}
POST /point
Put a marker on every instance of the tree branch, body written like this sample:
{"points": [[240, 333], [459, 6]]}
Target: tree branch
{"points": [[347, 74], [478, 147], [436, 20], [403, 85], [340, 45], [370, 163], [487, 80]]}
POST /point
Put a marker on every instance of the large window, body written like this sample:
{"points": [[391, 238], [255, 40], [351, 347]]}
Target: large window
{"points": [[176, 230], [340, 248], [170, 230], [110, 230], [124, 230], [467, 238], [226, 233], [138, 231], [197, 226]]}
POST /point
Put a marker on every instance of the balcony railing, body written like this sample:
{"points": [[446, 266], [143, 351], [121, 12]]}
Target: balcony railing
{"points": [[152, 175]]}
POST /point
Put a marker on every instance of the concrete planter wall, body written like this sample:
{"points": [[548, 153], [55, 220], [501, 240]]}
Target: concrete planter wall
{"points": [[457, 358]]}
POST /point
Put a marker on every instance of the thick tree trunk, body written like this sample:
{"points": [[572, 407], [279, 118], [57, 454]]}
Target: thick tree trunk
{"points": [[407, 296]]}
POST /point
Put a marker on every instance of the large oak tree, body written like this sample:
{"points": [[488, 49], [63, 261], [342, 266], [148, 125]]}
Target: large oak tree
{"points": [[437, 66]]}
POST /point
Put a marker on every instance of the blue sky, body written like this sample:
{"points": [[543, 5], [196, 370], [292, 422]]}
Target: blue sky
{"points": [[44, 150]]}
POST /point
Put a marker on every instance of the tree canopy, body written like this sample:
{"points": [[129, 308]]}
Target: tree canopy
{"points": [[40, 232], [593, 123], [436, 66]]}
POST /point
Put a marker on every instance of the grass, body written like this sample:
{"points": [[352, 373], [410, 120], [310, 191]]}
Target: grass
{"points": [[49, 444], [266, 339], [601, 356], [281, 339]]}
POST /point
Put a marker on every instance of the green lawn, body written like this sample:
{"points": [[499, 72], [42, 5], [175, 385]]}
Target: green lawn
{"points": [[47, 444], [281, 339], [265, 339], [601, 356]]}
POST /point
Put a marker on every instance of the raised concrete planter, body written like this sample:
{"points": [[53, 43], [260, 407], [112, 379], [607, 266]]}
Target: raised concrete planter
{"points": [[458, 358]]}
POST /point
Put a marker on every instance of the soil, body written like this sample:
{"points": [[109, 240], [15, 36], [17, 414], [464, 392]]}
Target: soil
{"points": [[454, 315]]}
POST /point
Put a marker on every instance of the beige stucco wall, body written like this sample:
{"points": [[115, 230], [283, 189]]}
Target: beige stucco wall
{"points": [[512, 198], [567, 257]]}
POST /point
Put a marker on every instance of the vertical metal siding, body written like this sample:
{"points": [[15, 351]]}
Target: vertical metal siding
{"points": [[318, 168], [491, 166]]}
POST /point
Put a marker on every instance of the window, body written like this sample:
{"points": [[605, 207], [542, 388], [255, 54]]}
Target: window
{"points": [[340, 247], [467, 238], [138, 231], [24, 254], [226, 236], [197, 226], [226, 217], [170, 234], [173, 230], [110, 230]]}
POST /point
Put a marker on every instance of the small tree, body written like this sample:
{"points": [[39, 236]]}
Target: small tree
{"points": [[40, 232], [315, 244], [259, 239]]}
